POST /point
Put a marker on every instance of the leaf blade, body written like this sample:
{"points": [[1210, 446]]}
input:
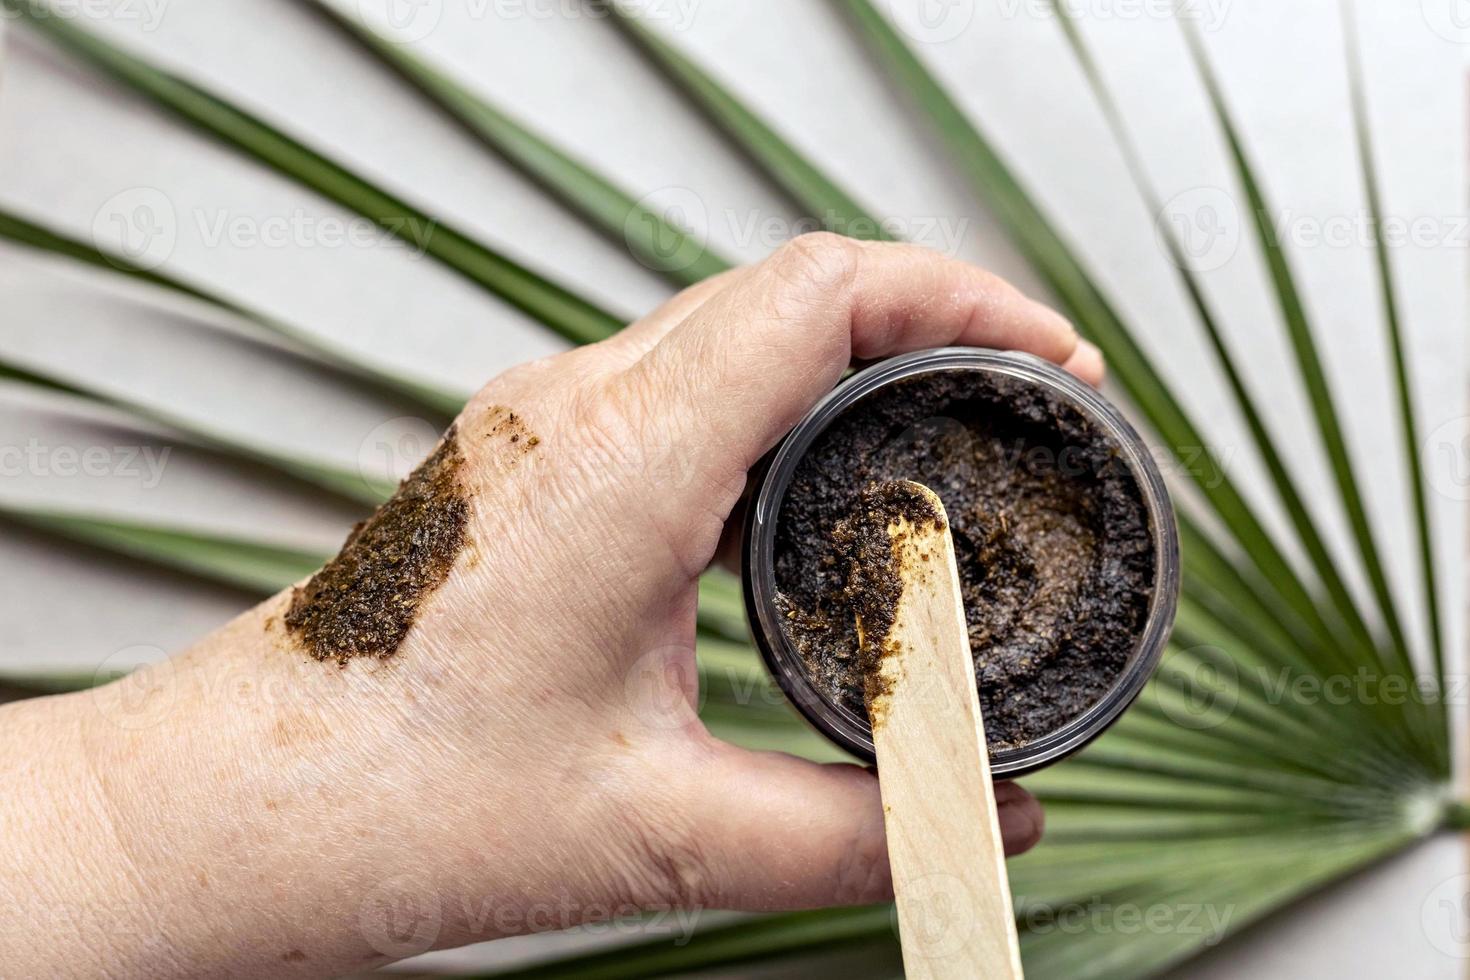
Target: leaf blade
{"points": [[674, 252], [553, 305]]}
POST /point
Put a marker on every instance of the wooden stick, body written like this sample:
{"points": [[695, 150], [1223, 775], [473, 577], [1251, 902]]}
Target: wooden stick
{"points": [[944, 846]]}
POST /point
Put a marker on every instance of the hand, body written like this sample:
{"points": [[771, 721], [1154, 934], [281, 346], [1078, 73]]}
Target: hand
{"points": [[530, 756]]}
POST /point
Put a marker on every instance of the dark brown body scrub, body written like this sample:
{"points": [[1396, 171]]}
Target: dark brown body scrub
{"points": [[364, 601], [1051, 535], [875, 578]]}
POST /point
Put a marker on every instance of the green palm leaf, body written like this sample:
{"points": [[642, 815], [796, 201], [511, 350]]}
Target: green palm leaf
{"points": [[1286, 489], [1309, 363], [675, 252], [563, 311], [347, 483], [33, 235], [738, 944], [1408, 425], [807, 187], [248, 564]]}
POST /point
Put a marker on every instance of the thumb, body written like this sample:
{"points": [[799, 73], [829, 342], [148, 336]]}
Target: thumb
{"points": [[785, 833]]}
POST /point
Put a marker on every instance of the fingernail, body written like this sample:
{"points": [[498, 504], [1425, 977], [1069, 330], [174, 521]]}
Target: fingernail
{"points": [[1087, 362]]}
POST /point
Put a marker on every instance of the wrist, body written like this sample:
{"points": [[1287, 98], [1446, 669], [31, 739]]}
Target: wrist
{"points": [[228, 784]]}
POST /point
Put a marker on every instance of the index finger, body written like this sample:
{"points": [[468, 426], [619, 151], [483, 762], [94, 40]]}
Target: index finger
{"points": [[733, 377]]}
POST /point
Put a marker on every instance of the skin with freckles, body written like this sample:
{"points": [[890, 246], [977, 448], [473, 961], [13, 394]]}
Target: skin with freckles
{"points": [[529, 755]]}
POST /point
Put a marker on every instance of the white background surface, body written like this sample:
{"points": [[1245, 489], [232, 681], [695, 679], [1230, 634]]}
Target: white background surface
{"points": [[79, 154]]}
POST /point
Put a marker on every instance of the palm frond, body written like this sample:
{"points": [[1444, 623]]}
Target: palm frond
{"points": [[1408, 424], [808, 188], [249, 564], [36, 236], [352, 484], [1309, 362], [568, 314], [656, 242], [1285, 486]]}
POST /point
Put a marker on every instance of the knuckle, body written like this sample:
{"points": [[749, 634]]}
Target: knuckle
{"points": [[546, 375], [672, 868], [609, 420], [821, 261]]}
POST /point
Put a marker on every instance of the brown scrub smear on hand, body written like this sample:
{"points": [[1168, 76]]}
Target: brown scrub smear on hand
{"points": [[1050, 530], [364, 601]]}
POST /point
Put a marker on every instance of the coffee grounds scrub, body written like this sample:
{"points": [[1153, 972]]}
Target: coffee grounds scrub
{"points": [[1051, 535]]}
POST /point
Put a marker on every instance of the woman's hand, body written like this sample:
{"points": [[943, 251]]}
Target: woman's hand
{"points": [[530, 756]]}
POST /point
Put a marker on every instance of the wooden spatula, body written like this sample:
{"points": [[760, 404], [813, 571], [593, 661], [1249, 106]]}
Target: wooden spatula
{"points": [[944, 845]]}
